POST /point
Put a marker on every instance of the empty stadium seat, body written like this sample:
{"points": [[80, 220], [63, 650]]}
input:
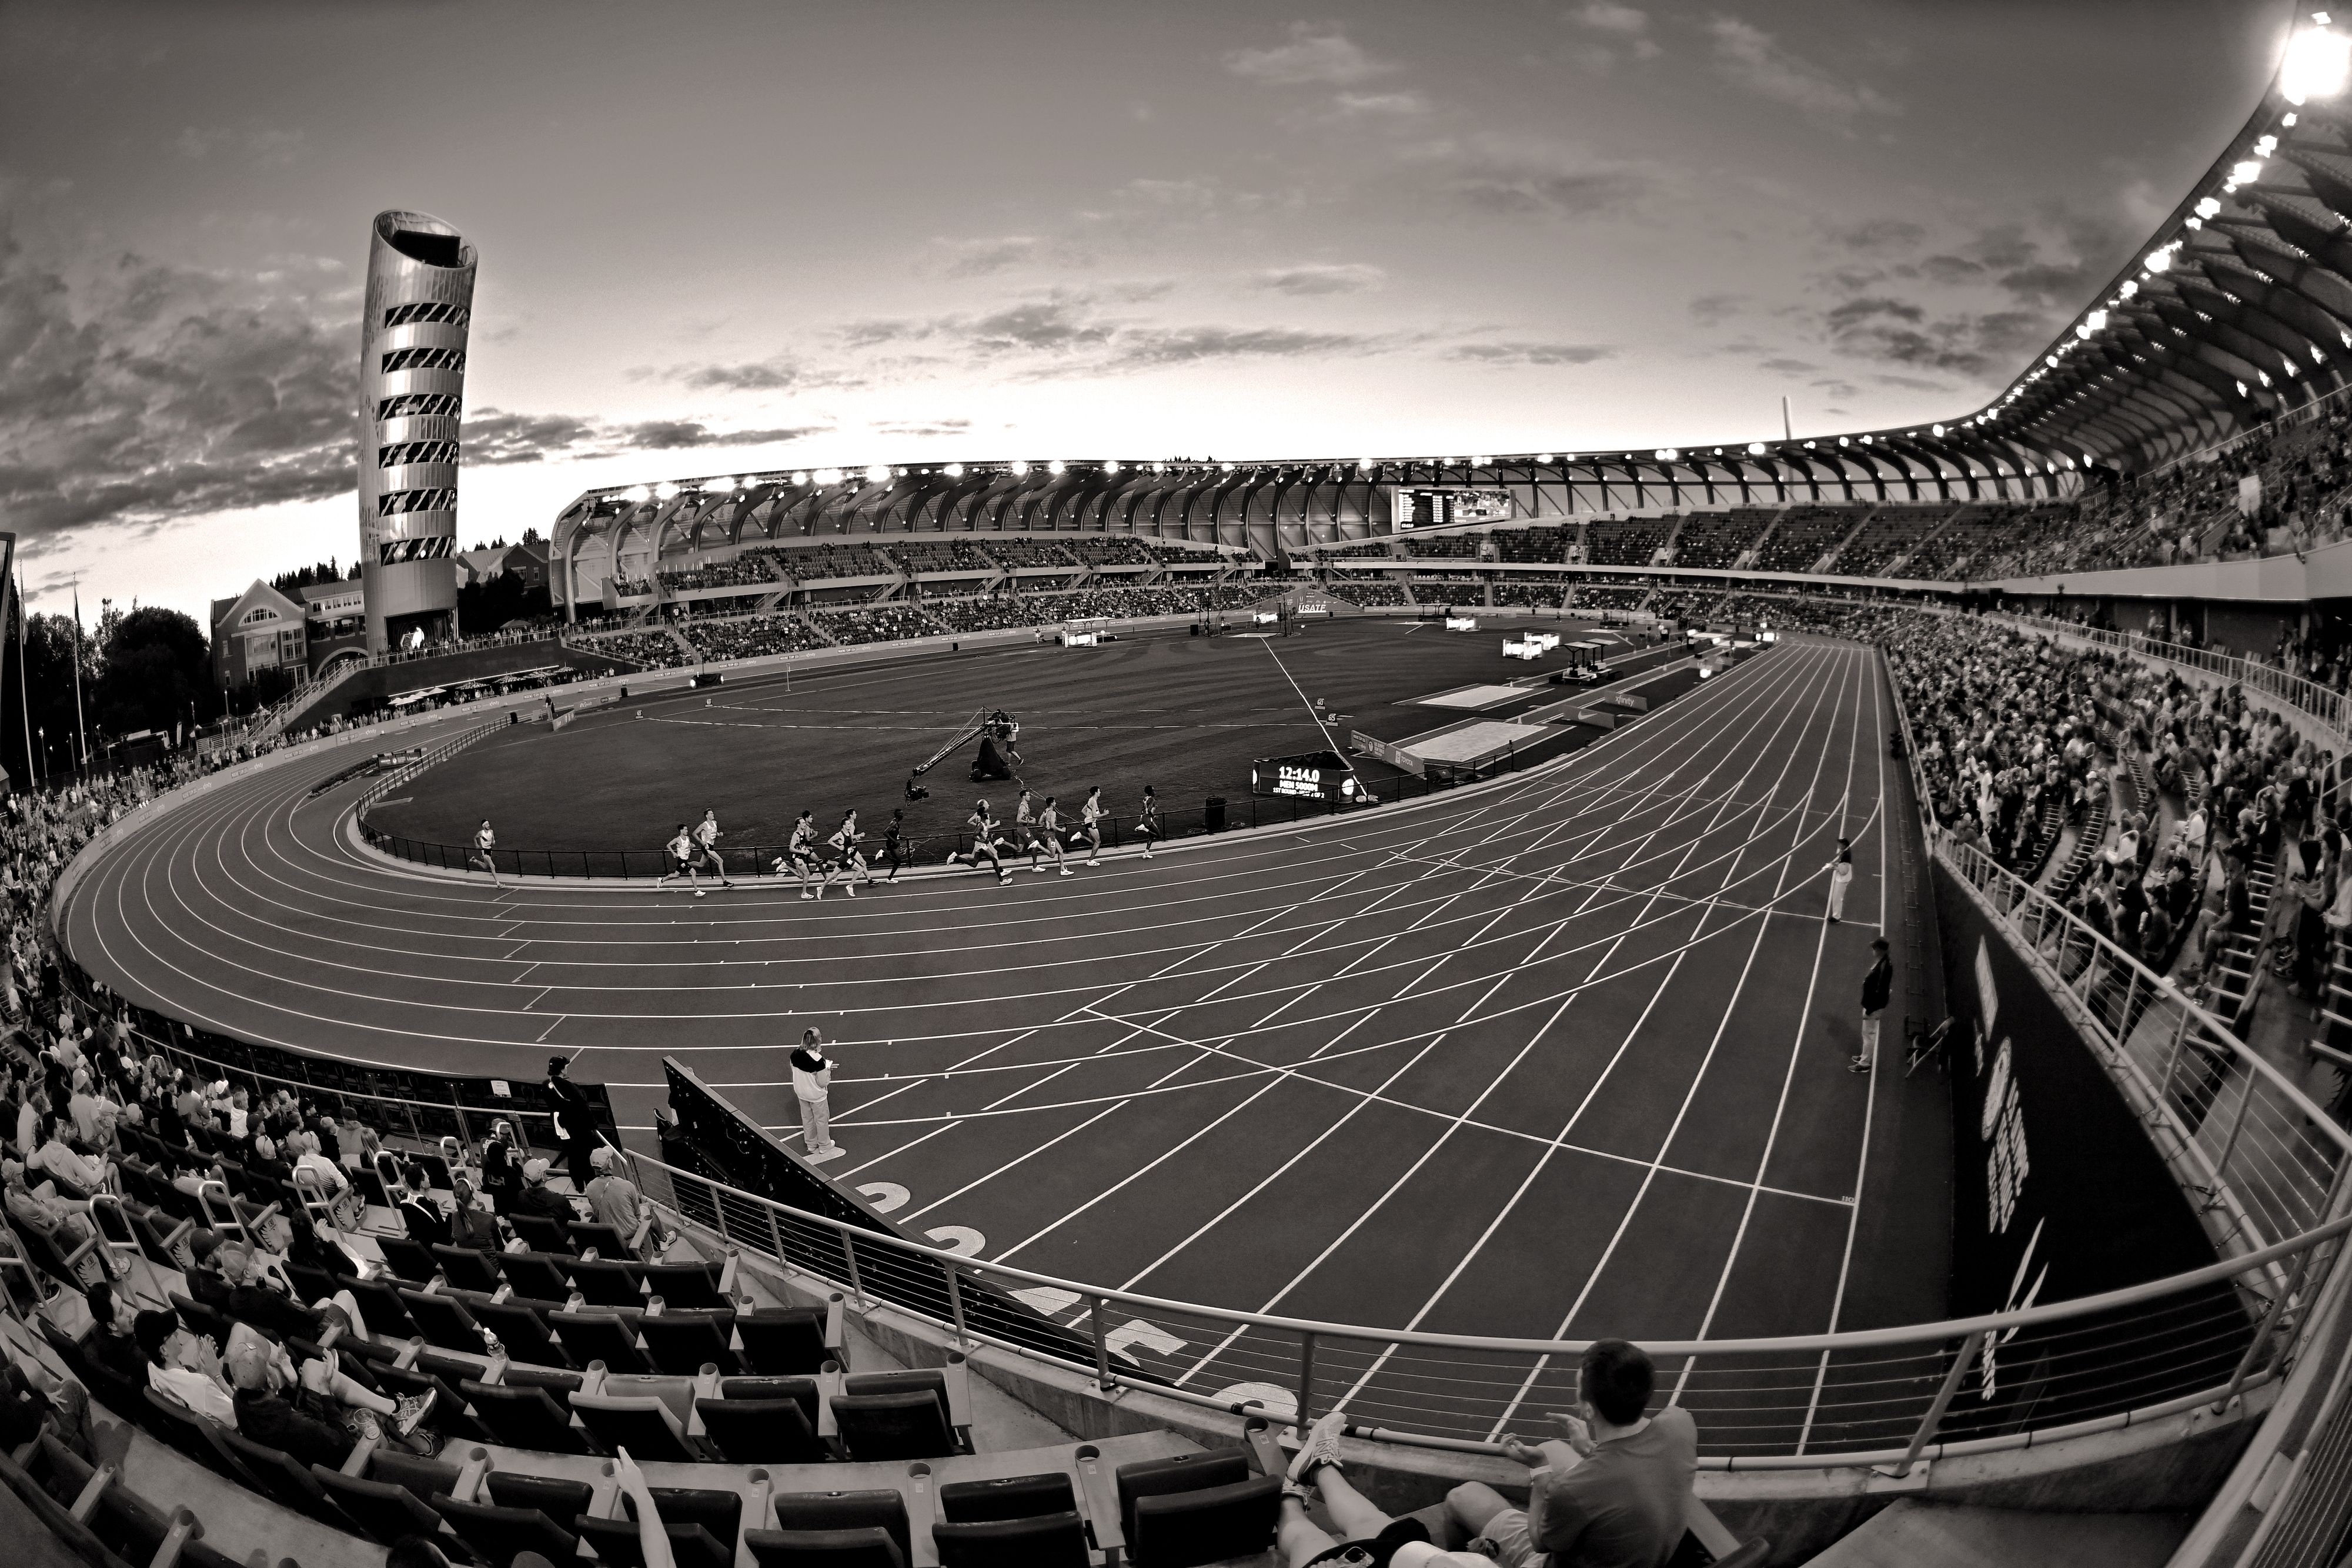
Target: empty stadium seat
{"points": [[605, 1336], [608, 1244], [896, 1416], [410, 1260], [502, 1534], [786, 1341], [383, 1511], [617, 1542], [468, 1269], [685, 1342], [763, 1431], [525, 1417], [607, 1285], [445, 1322], [685, 1285], [522, 1332], [838, 1530], [540, 1233], [541, 1275], [281, 1477], [1195, 1509], [380, 1307], [1047, 1541], [642, 1424], [561, 1501]]}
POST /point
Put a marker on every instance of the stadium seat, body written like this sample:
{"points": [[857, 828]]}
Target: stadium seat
{"points": [[537, 1275], [445, 1323], [436, 1170], [311, 1284], [642, 1424], [190, 1434], [525, 1418], [683, 1286], [607, 1285], [605, 1336], [448, 1418], [127, 1523], [561, 1501], [608, 1243], [467, 1268], [383, 1510], [280, 1477], [617, 1542], [763, 1431], [1008, 1497], [787, 1342], [685, 1342], [1048, 1541], [840, 1530], [502, 1534], [410, 1260], [380, 1308], [421, 1476], [1210, 1480], [205, 1322], [521, 1331], [540, 1233], [896, 1416], [716, 1510]]}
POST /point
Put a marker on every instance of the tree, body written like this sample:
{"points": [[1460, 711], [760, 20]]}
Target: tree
{"points": [[156, 670]]}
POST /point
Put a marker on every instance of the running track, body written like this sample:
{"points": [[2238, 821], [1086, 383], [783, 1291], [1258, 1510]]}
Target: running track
{"points": [[1556, 1058]]}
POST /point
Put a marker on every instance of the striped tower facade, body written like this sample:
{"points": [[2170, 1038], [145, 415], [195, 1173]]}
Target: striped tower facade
{"points": [[420, 299]]}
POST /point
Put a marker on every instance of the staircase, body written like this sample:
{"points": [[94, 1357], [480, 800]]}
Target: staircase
{"points": [[1837, 549], [1894, 567]]}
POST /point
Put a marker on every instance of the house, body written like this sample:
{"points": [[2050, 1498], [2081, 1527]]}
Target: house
{"points": [[260, 629]]}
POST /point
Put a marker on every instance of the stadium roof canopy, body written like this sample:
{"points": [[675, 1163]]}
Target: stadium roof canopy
{"points": [[2238, 310]]}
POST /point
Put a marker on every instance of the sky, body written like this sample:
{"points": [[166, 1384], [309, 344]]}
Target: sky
{"points": [[717, 237]]}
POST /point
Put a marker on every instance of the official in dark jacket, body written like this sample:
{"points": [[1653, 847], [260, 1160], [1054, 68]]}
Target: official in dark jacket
{"points": [[1877, 987]]}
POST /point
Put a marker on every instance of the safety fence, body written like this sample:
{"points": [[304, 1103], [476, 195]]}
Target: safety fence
{"points": [[1897, 1394], [2327, 707]]}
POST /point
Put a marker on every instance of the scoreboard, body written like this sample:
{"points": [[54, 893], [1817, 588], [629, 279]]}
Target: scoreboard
{"points": [[1421, 506], [1315, 775]]}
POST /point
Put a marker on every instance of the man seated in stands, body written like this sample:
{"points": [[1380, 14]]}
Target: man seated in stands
{"points": [[617, 1201], [109, 1343], [1611, 1492], [310, 1151], [263, 1162], [94, 1115], [53, 1157], [312, 1412], [66, 1222], [427, 1226], [235, 1282], [538, 1198]]}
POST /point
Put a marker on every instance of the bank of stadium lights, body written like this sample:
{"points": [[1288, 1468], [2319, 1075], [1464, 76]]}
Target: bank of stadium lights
{"points": [[1056, 467], [1020, 469], [953, 470], [1756, 449], [2318, 63], [722, 485], [1543, 457], [1111, 466]]}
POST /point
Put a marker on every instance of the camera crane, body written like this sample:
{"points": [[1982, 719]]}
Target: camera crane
{"points": [[996, 730]]}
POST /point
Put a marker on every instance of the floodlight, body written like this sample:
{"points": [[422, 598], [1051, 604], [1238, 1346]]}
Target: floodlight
{"points": [[666, 490], [2317, 64], [638, 496], [828, 476], [1543, 457], [1227, 466], [1664, 454], [2158, 260], [876, 473], [1755, 449], [1021, 469], [1055, 467], [953, 470], [722, 485], [1111, 466], [1843, 441], [1865, 440], [1938, 429], [1482, 462], [1364, 465], [2130, 288], [2246, 173]]}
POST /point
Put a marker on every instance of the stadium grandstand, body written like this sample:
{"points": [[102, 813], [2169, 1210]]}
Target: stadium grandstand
{"points": [[2030, 1253]]}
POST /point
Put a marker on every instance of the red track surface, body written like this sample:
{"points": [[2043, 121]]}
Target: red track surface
{"points": [[1564, 1056]]}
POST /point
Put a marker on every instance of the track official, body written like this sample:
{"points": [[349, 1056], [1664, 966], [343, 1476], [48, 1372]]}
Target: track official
{"points": [[574, 1122], [1877, 987], [812, 1087]]}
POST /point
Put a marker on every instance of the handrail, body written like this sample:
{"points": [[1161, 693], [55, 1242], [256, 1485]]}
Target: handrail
{"points": [[2329, 708], [1943, 1332]]}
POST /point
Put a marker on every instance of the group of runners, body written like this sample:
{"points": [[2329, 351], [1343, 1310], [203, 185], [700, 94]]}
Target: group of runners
{"points": [[819, 861], [1037, 832]]}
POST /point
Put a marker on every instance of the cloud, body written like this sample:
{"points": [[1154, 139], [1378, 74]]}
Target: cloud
{"points": [[1527, 353], [1715, 308], [1784, 365], [1338, 278], [773, 375], [259, 146], [1519, 177], [1897, 331], [924, 427], [1879, 235], [1398, 105], [978, 258], [1151, 348], [1625, 27], [159, 391], [492, 437], [679, 435], [1750, 58], [1315, 54]]}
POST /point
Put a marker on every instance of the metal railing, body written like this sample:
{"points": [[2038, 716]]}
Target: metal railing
{"points": [[1899, 1394], [2330, 709]]}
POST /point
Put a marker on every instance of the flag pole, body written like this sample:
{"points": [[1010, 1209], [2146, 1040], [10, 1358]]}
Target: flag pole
{"points": [[81, 733], [23, 704]]}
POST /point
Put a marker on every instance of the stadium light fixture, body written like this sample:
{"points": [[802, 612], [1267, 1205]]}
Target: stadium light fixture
{"points": [[1543, 457], [667, 490], [2158, 260], [800, 480], [723, 486], [637, 495], [953, 470], [1111, 466], [1755, 449], [1482, 462], [1227, 467], [1056, 467], [1937, 429], [877, 474], [1021, 469], [2318, 63], [1363, 464], [1665, 455]]}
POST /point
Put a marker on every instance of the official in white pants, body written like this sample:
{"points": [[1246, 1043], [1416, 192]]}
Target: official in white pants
{"points": [[812, 1086], [1841, 878]]}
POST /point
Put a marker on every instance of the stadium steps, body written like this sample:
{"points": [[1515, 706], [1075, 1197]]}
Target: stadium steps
{"points": [[1910, 1533], [1673, 541], [1894, 567], [2087, 841], [1829, 560], [1753, 550], [817, 628]]}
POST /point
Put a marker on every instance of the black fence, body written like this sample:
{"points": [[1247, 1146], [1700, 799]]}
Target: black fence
{"points": [[1218, 814], [404, 1103]]}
